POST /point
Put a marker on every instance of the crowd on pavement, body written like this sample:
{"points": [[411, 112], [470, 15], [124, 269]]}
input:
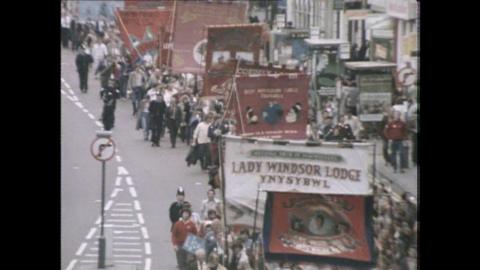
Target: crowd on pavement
{"points": [[169, 103]]}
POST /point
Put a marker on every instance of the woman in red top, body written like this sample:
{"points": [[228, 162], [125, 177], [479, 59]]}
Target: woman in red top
{"points": [[180, 231]]}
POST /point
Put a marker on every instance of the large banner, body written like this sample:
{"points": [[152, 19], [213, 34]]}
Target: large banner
{"points": [[272, 106], [140, 30], [262, 165], [375, 96], [312, 225], [189, 39]]}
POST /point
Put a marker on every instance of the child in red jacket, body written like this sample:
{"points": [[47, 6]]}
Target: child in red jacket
{"points": [[180, 231]]}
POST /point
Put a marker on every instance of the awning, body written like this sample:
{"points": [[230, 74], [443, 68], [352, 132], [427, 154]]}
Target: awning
{"points": [[369, 65]]}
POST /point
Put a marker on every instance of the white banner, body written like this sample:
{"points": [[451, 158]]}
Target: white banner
{"points": [[294, 167]]}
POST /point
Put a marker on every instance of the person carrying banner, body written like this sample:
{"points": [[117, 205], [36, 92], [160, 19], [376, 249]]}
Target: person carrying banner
{"points": [[83, 61], [180, 231]]}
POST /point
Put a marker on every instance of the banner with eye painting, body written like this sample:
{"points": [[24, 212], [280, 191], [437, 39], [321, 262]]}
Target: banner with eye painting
{"points": [[190, 25], [140, 31], [272, 106], [310, 225]]}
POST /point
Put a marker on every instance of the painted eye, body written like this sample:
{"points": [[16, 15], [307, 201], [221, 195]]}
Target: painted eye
{"points": [[320, 223]]}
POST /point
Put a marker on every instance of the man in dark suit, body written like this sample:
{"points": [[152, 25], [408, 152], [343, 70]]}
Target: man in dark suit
{"points": [[83, 62], [174, 118], [157, 110]]}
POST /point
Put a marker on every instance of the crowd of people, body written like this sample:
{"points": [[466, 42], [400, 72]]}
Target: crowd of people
{"points": [[168, 103]]}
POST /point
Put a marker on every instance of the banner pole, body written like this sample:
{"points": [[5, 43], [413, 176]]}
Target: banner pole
{"points": [[374, 169], [169, 56], [224, 202], [256, 210], [126, 32]]}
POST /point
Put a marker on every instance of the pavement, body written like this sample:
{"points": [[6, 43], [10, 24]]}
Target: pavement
{"points": [[400, 182]]}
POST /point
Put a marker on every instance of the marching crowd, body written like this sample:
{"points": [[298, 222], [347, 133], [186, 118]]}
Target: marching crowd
{"points": [[167, 103]]}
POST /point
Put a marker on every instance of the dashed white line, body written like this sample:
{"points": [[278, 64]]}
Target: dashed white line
{"points": [[98, 221], [129, 262], [124, 204], [144, 232], [133, 192], [74, 98], [91, 116], [88, 261], [81, 249], [63, 92], [66, 84], [118, 181], [122, 232], [115, 192], [63, 80], [148, 249], [121, 220], [71, 265], [129, 180], [85, 110], [121, 226], [98, 124], [71, 91], [118, 158], [136, 205], [91, 255], [69, 97], [109, 204], [148, 263], [122, 171], [91, 233], [140, 218]]}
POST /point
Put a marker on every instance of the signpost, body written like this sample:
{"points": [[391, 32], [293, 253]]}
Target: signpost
{"points": [[102, 149]]}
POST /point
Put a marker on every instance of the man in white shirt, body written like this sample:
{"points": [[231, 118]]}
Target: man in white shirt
{"points": [[65, 22], [354, 123], [211, 203], [99, 52], [148, 59], [200, 137]]}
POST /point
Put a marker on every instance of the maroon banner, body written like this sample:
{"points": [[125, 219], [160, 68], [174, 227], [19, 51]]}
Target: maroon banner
{"points": [[140, 30], [318, 225], [271, 106], [190, 22]]}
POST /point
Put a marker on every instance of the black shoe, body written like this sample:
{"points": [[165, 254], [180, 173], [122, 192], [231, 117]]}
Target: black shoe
{"points": [[402, 171], [153, 145]]}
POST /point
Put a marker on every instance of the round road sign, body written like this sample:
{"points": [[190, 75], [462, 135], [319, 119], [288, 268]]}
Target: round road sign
{"points": [[103, 149], [407, 76]]}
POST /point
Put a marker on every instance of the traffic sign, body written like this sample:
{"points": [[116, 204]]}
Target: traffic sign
{"points": [[103, 149], [406, 76]]}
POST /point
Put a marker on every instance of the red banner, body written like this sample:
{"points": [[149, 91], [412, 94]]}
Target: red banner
{"points": [[271, 106], [140, 30], [318, 225], [189, 39]]}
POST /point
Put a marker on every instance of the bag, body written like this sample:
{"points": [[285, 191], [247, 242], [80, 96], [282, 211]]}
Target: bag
{"points": [[192, 156]]}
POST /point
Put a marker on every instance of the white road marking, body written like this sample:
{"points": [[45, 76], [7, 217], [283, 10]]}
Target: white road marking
{"points": [[76, 168], [122, 232], [98, 124], [148, 263], [144, 232], [122, 171], [91, 255], [124, 204], [129, 180], [88, 261], [118, 158], [121, 226], [71, 91], [67, 85], [118, 181], [121, 220], [140, 218], [71, 265], [148, 249], [63, 92], [69, 97], [81, 249], [136, 205], [74, 98], [91, 116], [125, 244], [85, 110], [122, 210], [127, 237], [98, 221], [63, 80], [91, 233], [109, 204], [122, 215], [115, 192], [94, 249], [198, 183], [133, 192], [127, 249], [129, 262], [127, 256]]}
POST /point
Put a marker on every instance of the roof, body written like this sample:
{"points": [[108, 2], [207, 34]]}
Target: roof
{"points": [[369, 65]]}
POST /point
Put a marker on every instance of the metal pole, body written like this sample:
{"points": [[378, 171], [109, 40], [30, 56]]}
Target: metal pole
{"points": [[374, 167], [338, 24], [101, 240], [222, 183], [256, 210]]}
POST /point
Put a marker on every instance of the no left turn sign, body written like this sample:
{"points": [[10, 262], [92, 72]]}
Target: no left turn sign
{"points": [[103, 149]]}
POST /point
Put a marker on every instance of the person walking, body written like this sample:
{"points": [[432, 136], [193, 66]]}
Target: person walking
{"points": [[109, 97], [176, 207], [200, 137], [135, 83], [174, 118], [99, 53], [143, 117], [156, 111], [211, 203], [73, 33], [384, 123], [354, 123], [65, 23], [180, 231], [83, 61], [396, 132]]}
